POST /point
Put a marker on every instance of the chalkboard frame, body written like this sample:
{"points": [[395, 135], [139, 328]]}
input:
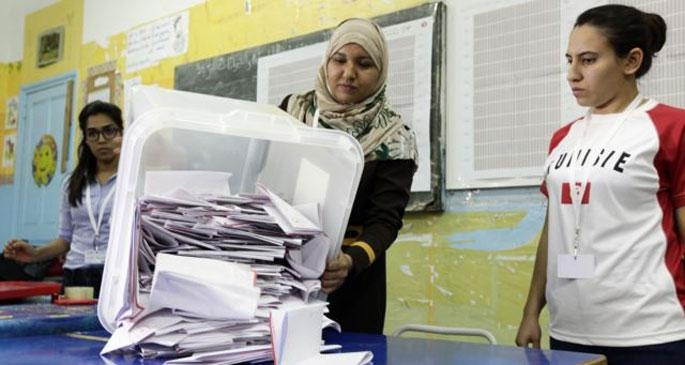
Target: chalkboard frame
{"points": [[234, 75]]}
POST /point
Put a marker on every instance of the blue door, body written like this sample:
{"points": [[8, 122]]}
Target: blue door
{"points": [[43, 156]]}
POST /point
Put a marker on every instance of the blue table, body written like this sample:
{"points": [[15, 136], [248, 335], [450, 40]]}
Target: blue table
{"points": [[415, 351], [35, 318], [83, 348]]}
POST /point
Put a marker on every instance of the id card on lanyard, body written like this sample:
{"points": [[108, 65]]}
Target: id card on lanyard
{"points": [[578, 265], [96, 256]]}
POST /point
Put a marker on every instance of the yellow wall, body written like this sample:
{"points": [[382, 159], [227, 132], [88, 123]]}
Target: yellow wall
{"points": [[67, 13], [219, 27], [433, 282], [9, 87], [212, 31]]}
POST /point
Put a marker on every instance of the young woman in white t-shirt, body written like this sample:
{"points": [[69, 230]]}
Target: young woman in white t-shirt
{"points": [[610, 259]]}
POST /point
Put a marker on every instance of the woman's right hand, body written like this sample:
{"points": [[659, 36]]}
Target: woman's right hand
{"points": [[21, 251], [529, 332], [336, 272]]}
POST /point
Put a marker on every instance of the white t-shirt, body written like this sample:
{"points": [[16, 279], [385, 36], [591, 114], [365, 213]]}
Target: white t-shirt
{"points": [[634, 179]]}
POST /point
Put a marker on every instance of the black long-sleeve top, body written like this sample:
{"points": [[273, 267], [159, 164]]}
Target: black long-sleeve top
{"points": [[378, 208]]}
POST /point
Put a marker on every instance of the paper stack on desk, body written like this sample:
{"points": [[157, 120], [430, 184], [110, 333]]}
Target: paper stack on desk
{"points": [[212, 267]]}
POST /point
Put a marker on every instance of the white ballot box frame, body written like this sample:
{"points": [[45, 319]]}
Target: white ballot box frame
{"points": [[256, 143]]}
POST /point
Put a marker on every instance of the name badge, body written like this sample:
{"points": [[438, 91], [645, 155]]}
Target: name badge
{"points": [[576, 267], [93, 257]]}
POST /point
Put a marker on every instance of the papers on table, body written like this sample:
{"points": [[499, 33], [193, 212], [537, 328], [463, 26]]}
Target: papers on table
{"points": [[296, 338], [211, 269]]}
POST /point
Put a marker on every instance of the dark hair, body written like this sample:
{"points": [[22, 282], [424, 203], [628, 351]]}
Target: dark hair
{"points": [[86, 168], [625, 28]]}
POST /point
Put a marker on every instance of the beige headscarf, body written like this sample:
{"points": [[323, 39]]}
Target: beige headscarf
{"points": [[379, 130]]}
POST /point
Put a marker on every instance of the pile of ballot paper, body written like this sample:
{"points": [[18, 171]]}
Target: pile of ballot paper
{"points": [[279, 243], [212, 267]]}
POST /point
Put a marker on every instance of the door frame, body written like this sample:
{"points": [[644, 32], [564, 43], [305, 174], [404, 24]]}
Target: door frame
{"points": [[24, 93]]}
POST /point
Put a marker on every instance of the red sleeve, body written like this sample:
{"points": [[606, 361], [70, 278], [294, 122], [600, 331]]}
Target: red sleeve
{"points": [[670, 160], [559, 135]]}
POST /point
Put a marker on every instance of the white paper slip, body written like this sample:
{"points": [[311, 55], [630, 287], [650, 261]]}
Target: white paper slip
{"points": [[575, 266], [289, 218], [168, 340], [312, 211], [230, 356], [225, 289], [120, 339], [296, 339], [176, 198], [129, 334], [160, 232], [344, 358], [310, 259]]}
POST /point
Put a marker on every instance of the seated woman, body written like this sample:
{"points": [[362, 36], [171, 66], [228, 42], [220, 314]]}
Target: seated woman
{"points": [[86, 202]]}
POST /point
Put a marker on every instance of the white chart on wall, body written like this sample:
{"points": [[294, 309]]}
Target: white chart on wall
{"points": [[409, 81], [515, 95]]}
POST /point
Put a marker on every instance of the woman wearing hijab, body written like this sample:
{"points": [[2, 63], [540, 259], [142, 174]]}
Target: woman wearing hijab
{"points": [[349, 95]]}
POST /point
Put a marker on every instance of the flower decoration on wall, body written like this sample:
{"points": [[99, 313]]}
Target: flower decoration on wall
{"points": [[44, 160]]}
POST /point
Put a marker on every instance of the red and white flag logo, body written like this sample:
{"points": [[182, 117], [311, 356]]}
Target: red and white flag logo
{"points": [[566, 192]]}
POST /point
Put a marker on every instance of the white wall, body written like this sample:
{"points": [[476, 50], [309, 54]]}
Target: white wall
{"points": [[459, 95], [457, 78], [101, 19], [12, 26]]}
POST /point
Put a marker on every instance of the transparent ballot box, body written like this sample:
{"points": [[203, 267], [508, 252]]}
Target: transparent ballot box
{"points": [[257, 144]]}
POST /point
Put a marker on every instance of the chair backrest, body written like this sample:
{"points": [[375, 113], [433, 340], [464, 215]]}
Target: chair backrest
{"points": [[457, 331]]}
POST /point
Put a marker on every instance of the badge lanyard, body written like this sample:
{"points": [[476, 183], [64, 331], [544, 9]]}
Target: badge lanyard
{"points": [[577, 189], [97, 225]]}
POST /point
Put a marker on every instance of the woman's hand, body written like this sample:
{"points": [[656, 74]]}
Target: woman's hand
{"points": [[21, 251], [529, 332], [336, 272]]}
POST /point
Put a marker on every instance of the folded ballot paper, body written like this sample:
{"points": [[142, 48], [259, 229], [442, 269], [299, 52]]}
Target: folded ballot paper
{"points": [[226, 290], [296, 339], [221, 276]]}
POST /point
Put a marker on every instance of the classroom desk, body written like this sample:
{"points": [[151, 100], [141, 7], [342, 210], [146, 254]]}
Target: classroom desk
{"points": [[83, 348], [36, 318]]}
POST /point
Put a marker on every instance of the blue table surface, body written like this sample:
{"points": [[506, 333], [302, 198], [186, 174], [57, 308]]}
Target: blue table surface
{"points": [[44, 318], [84, 348]]}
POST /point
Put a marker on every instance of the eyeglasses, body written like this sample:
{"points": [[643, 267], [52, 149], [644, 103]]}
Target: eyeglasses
{"points": [[108, 132]]}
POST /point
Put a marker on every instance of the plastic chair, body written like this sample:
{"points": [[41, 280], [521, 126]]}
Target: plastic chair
{"points": [[458, 331]]}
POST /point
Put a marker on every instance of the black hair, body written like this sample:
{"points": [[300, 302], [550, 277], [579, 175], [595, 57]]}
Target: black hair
{"points": [[626, 27], [86, 168]]}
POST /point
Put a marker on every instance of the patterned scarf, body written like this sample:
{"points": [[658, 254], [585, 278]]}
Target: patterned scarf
{"points": [[379, 130]]}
